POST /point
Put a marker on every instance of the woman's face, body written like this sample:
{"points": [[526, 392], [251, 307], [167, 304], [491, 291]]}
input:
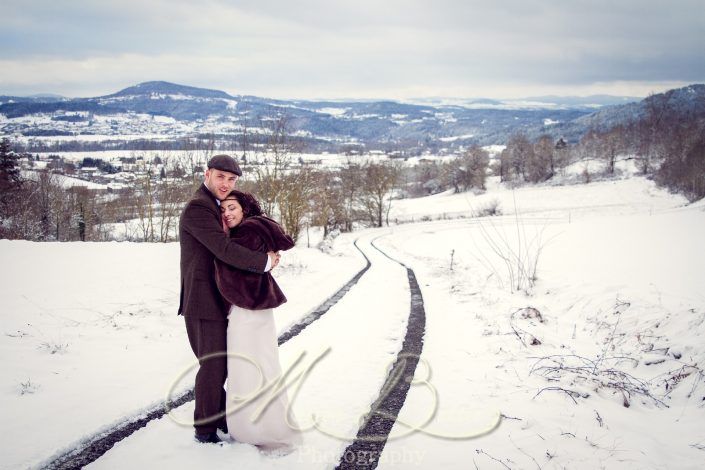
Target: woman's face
{"points": [[232, 212]]}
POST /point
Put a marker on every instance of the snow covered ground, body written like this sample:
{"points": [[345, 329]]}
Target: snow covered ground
{"points": [[90, 333], [64, 181], [615, 317], [567, 202], [619, 321]]}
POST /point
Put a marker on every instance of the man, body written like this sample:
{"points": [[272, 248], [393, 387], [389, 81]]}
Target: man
{"points": [[202, 240]]}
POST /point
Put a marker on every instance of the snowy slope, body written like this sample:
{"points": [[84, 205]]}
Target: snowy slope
{"points": [[621, 293], [90, 333]]}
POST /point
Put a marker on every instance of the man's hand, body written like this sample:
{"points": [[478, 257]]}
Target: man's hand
{"points": [[273, 259]]}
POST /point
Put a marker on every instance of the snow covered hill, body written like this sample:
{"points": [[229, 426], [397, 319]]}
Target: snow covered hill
{"points": [[597, 362], [172, 111], [176, 110]]}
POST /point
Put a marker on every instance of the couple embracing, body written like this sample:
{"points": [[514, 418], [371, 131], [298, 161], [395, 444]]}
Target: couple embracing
{"points": [[228, 248]]}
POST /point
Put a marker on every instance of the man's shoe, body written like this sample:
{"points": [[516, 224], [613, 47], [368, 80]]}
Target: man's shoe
{"points": [[208, 438], [223, 427]]}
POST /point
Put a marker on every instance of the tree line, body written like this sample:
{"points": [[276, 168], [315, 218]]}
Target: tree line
{"points": [[40, 208], [667, 143]]}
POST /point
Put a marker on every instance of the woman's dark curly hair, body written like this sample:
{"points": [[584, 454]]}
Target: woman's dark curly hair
{"points": [[250, 205]]}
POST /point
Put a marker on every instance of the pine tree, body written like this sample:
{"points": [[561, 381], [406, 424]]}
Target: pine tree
{"points": [[10, 179], [9, 159]]}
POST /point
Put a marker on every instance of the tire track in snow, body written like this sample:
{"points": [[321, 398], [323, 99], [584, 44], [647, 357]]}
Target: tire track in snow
{"points": [[367, 448], [94, 447], [325, 306]]}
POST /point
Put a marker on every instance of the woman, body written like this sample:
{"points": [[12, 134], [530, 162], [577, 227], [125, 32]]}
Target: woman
{"points": [[253, 357]]}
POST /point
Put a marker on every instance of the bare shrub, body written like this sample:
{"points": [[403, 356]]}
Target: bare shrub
{"points": [[28, 387], [519, 255], [583, 374], [53, 347], [488, 209]]}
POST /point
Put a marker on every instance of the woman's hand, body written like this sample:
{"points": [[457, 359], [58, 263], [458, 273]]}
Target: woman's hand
{"points": [[274, 258]]}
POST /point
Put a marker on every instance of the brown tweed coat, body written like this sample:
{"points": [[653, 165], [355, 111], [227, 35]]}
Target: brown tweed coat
{"points": [[202, 242], [248, 290]]}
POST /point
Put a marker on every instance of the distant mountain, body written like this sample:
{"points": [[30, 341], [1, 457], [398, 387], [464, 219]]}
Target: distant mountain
{"points": [[165, 88], [592, 101], [39, 98], [183, 103], [47, 96], [173, 111], [586, 103]]}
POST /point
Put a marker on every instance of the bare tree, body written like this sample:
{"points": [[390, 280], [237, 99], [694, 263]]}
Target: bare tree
{"points": [[327, 201], [50, 205], [612, 144], [195, 153], [542, 166], [683, 164], [276, 162], [501, 168], [379, 179], [204, 151], [476, 161], [424, 179], [170, 199], [352, 176], [650, 128], [515, 157], [294, 199], [84, 213], [145, 199], [561, 155], [466, 171]]}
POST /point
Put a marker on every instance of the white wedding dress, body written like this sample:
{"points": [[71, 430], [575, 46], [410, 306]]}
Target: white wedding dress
{"points": [[252, 343]]}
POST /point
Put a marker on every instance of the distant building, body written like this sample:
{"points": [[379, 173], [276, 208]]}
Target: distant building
{"points": [[25, 162], [88, 172]]}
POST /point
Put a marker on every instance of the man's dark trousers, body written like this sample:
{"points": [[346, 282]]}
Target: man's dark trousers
{"points": [[208, 337]]}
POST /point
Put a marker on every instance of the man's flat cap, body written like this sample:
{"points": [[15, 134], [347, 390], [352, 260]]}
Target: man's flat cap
{"points": [[224, 163]]}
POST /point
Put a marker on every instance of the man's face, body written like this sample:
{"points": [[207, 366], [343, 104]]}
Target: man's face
{"points": [[219, 182]]}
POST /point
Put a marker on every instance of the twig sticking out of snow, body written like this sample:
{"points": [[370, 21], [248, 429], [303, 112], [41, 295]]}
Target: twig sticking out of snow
{"points": [[503, 416], [480, 451], [571, 393], [619, 307], [676, 376], [526, 313], [525, 453], [599, 418]]}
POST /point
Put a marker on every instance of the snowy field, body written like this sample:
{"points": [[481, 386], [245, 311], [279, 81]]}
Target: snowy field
{"points": [[596, 363], [560, 198]]}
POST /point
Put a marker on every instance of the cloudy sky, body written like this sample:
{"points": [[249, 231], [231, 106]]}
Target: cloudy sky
{"points": [[398, 49]]}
